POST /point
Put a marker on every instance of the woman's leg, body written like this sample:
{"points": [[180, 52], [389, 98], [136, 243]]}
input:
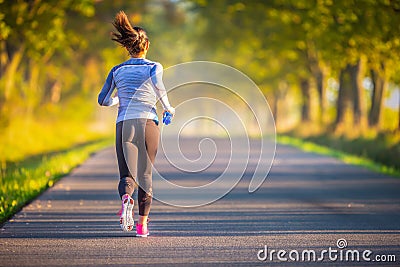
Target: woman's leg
{"points": [[146, 157], [127, 154], [124, 136]]}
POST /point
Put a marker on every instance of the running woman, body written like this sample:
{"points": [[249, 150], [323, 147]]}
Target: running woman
{"points": [[139, 85]]}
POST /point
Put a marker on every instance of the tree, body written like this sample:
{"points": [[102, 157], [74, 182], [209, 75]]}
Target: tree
{"points": [[383, 53], [32, 32]]}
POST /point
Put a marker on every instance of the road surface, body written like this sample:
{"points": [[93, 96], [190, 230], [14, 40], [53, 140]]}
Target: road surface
{"points": [[308, 202]]}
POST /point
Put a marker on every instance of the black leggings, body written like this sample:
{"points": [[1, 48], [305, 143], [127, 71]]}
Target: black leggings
{"points": [[136, 145]]}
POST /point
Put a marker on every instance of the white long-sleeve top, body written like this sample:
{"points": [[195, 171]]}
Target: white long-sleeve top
{"points": [[139, 86]]}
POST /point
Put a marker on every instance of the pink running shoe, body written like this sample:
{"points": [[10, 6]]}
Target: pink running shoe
{"points": [[141, 230], [126, 218]]}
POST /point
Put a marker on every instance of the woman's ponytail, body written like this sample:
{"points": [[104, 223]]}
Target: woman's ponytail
{"points": [[134, 39]]}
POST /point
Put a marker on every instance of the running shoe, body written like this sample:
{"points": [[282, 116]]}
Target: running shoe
{"points": [[141, 230], [126, 218]]}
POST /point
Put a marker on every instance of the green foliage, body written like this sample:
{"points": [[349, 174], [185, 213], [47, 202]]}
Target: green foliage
{"points": [[39, 26], [291, 40], [54, 59]]}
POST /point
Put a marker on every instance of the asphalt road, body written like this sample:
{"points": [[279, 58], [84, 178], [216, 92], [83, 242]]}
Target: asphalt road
{"points": [[308, 202]]}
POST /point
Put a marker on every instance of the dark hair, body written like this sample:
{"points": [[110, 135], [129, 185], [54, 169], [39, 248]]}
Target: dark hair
{"points": [[134, 39]]}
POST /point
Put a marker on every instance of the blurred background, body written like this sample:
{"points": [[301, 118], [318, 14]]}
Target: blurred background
{"points": [[329, 69]]}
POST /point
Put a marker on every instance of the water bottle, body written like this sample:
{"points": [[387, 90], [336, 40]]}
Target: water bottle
{"points": [[167, 118]]}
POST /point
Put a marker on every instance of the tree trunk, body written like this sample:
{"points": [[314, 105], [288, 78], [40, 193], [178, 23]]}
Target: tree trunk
{"points": [[398, 126], [275, 108], [32, 92], [315, 66], [380, 86], [344, 95], [3, 57], [10, 71], [321, 85], [359, 105], [306, 104]]}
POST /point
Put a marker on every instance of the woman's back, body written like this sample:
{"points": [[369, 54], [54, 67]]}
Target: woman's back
{"points": [[136, 81], [135, 89]]}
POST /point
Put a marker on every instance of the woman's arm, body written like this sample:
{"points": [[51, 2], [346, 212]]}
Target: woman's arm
{"points": [[105, 98], [159, 88]]}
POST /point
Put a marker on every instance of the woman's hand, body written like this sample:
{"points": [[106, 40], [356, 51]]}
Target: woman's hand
{"points": [[168, 114], [170, 110]]}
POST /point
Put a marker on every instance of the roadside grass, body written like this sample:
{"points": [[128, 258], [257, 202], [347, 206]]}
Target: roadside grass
{"points": [[56, 128], [21, 182], [347, 150]]}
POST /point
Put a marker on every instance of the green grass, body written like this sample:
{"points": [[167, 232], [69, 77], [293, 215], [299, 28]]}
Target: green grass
{"points": [[23, 181], [345, 157], [25, 136]]}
